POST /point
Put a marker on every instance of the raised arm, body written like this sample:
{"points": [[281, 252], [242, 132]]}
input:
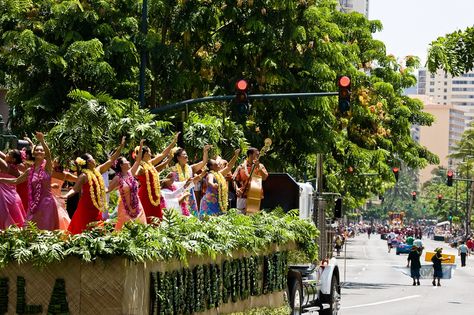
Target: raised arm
{"points": [[113, 184], [138, 159], [231, 163], [77, 186], [157, 159], [163, 165], [66, 176], [47, 152], [205, 156], [15, 181], [70, 177], [3, 162], [105, 167]]}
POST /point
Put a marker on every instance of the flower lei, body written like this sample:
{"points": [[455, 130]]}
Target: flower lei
{"points": [[132, 183], [149, 169], [34, 193], [97, 196], [223, 190], [183, 172]]}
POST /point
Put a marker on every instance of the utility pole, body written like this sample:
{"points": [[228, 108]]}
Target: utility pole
{"points": [[319, 216], [143, 53]]}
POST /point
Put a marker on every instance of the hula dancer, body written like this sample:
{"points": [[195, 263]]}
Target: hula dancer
{"points": [[184, 172], [216, 198], [149, 191], [92, 202], [130, 207]]}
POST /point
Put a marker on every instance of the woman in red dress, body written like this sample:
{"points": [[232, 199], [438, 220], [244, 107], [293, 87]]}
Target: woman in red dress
{"points": [[92, 202], [149, 191]]}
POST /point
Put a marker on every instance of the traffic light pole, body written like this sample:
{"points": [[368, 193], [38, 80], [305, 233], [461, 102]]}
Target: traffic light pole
{"points": [[319, 216], [220, 98]]}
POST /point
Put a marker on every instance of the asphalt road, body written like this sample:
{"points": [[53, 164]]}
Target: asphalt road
{"points": [[373, 285]]}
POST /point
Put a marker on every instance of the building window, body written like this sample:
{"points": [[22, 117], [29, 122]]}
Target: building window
{"points": [[445, 83], [445, 90], [432, 83], [431, 90]]}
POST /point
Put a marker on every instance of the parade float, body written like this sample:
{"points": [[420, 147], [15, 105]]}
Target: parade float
{"points": [[179, 266]]}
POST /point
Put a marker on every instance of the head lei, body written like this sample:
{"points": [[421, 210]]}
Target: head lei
{"points": [[173, 151], [80, 161]]}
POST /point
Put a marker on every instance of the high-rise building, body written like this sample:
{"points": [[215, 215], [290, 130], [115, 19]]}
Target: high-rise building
{"points": [[361, 6], [442, 135]]}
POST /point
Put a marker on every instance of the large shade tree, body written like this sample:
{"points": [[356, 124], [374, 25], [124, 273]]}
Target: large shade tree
{"points": [[199, 48]]}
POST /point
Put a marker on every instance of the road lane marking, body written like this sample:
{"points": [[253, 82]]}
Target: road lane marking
{"points": [[382, 302]]}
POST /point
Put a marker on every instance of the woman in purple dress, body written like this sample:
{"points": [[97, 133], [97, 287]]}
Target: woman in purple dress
{"points": [[11, 207], [42, 206]]}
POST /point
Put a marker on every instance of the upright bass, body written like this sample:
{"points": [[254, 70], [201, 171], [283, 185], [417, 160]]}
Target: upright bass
{"points": [[253, 186]]}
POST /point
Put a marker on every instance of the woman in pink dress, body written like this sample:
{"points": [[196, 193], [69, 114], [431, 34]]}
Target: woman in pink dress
{"points": [[11, 207], [42, 206], [130, 208], [92, 202]]}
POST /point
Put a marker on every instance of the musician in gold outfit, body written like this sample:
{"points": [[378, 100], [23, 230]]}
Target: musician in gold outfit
{"points": [[242, 176]]}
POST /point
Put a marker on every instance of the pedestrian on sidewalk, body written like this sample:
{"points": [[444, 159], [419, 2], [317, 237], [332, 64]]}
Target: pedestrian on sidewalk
{"points": [[414, 258], [463, 251], [338, 245], [437, 269]]}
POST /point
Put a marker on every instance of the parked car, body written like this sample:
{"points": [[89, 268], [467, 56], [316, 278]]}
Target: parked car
{"points": [[403, 248]]}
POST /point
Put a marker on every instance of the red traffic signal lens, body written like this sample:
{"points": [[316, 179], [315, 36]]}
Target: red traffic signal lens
{"points": [[413, 193], [241, 85], [450, 173], [395, 169], [440, 196], [344, 81]]}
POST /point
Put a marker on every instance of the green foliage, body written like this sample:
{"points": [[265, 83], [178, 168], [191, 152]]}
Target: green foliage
{"points": [[207, 129], [176, 237], [95, 124], [201, 288], [453, 53], [197, 49]]}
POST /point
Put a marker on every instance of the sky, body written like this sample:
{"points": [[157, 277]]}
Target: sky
{"points": [[409, 26]]}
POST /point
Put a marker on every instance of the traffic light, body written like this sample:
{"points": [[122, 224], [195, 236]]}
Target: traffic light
{"points": [[344, 100], [440, 198], [413, 195], [395, 172], [338, 208], [450, 175], [241, 99], [450, 216]]}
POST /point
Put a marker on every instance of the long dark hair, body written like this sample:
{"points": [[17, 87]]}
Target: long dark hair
{"points": [[177, 154], [16, 156], [118, 164]]}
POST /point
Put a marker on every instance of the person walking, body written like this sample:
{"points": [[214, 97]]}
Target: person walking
{"points": [[338, 246], [463, 251], [437, 269], [414, 258]]}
